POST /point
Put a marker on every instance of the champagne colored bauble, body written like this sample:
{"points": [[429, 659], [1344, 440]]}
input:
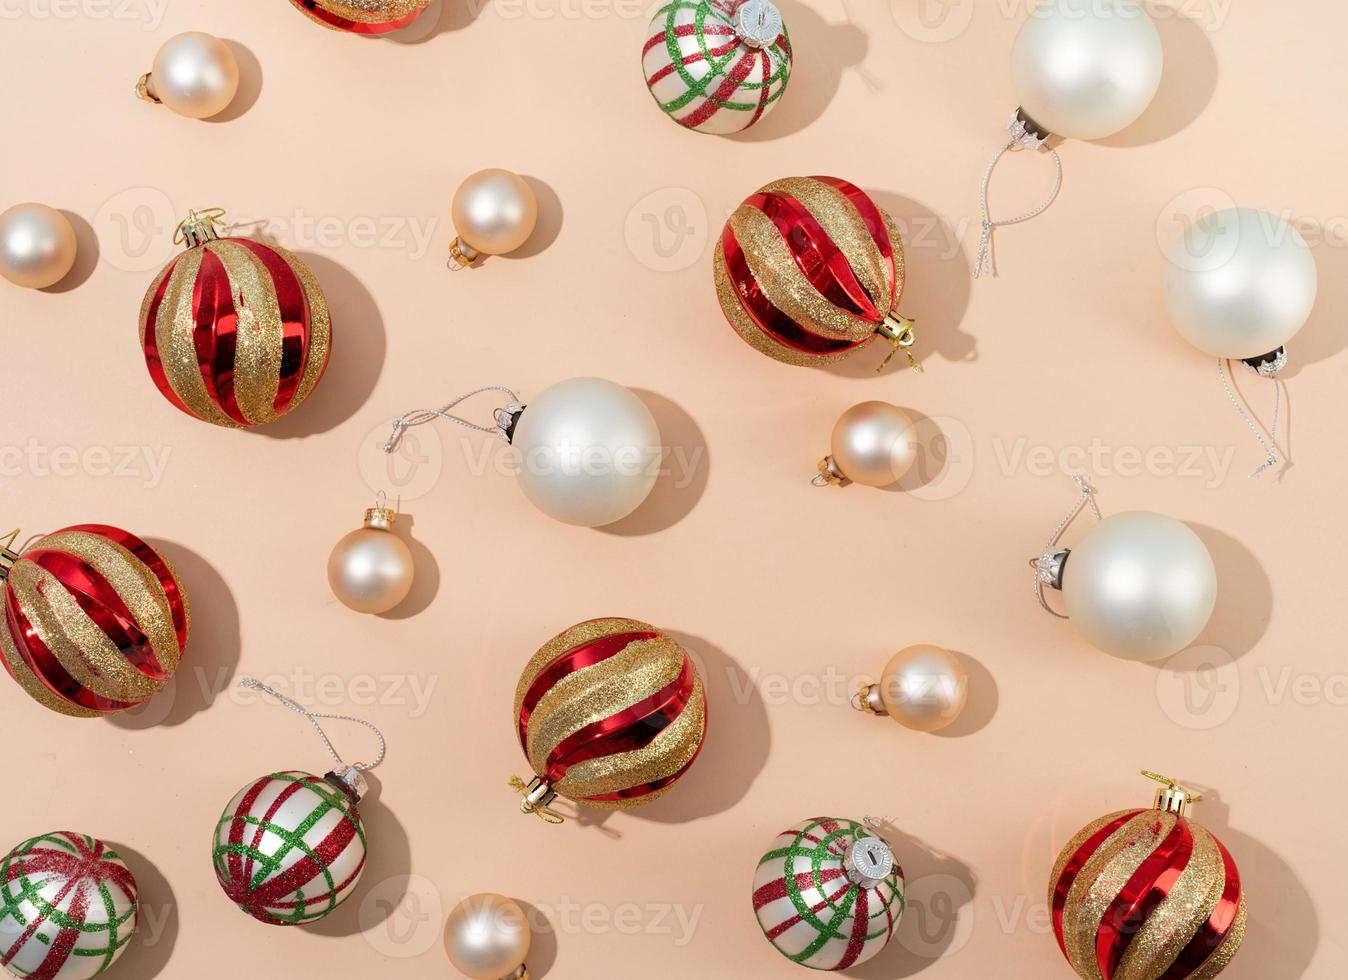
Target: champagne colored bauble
{"points": [[809, 269], [610, 714], [290, 847], [873, 444], [37, 246], [363, 16], [487, 937], [1140, 586], [194, 74], [1240, 283], [370, 570], [95, 620], [717, 66], [1086, 69], [924, 688], [235, 330], [828, 894], [495, 211], [1147, 895], [587, 452], [68, 907]]}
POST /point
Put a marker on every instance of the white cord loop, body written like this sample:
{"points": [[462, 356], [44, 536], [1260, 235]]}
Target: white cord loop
{"points": [[420, 416], [313, 717], [1042, 564], [986, 265], [1268, 446]]}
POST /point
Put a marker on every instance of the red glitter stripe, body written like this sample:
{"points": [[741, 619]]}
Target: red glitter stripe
{"points": [[574, 659], [215, 333], [236, 884], [307, 868], [796, 919], [875, 224], [692, 58], [1150, 885], [354, 26], [294, 308], [260, 831], [805, 880], [861, 922], [150, 343], [630, 729], [685, 30], [152, 560], [1214, 931], [729, 86], [1074, 866]]}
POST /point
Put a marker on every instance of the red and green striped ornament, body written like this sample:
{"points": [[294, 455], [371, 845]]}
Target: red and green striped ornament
{"points": [[68, 907], [828, 894], [717, 66]]}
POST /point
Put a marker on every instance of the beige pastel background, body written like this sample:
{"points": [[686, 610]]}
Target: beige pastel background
{"points": [[348, 151]]}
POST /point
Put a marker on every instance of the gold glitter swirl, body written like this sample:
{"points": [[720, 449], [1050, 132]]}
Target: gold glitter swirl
{"points": [[257, 340], [35, 689], [370, 11], [320, 327], [576, 636], [1074, 845], [175, 336], [1222, 956], [744, 325]]}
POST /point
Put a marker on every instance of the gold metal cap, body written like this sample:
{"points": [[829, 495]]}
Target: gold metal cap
{"points": [[1172, 797], [898, 330], [7, 555], [199, 227], [145, 91], [381, 518]]}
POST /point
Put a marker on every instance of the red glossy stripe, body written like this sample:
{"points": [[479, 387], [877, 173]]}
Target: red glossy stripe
{"points": [[151, 343], [771, 320], [215, 333], [152, 560], [875, 224], [1074, 866], [1214, 931], [630, 729], [44, 665], [294, 307], [574, 659], [353, 26], [1149, 886]]}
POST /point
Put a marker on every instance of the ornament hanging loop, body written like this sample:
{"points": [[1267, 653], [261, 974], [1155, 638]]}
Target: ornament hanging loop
{"points": [[503, 418], [898, 330], [538, 797], [1025, 134], [1048, 567], [199, 227], [1267, 366]]}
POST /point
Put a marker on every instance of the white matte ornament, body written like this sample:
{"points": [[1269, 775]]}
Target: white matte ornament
{"points": [[1086, 69], [371, 569], [37, 245], [1240, 283], [495, 211], [194, 74], [487, 937], [873, 444]]}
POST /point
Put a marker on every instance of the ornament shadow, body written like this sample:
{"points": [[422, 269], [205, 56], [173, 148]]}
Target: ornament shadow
{"points": [[441, 17], [821, 52], [935, 460], [250, 84], [1244, 596], [1323, 336], [981, 706], [684, 470], [358, 348], [550, 216], [150, 951], [213, 646], [86, 256], [1284, 929], [1188, 80], [425, 581], [390, 856], [940, 893], [543, 946]]}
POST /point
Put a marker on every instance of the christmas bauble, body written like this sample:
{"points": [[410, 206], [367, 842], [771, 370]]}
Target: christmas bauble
{"points": [[235, 330], [1147, 895], [873, 444], [487, 937], [371, 569], [923, 687], [194, 74], [610, 714], [495, 211], [828, 894], [68, 907], [717, 66], [37, 245], [363, 16], [290, 847], [810, 269], [96, 620]]}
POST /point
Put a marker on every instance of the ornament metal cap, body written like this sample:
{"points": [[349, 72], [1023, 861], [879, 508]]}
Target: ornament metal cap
{"points": [[7, 554], [1025, 132], [350, 781], [538, 795], [898, 330], [868, 862], [829, 475], [381, 516], [1172, 797], [1267, 365], [462, 255], [145, 89], [1048, 567], [198, 228], [758, 23], [868, 701]]}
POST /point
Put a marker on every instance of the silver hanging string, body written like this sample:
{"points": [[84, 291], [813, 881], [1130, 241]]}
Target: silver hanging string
{"points": [[1020, 139], [1042, 564], [1268, 446], [313, 717], [420, 416]]}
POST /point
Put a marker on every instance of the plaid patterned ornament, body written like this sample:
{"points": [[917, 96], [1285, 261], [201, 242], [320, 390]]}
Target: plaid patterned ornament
{"points": [[68, 907], [828, 894]]}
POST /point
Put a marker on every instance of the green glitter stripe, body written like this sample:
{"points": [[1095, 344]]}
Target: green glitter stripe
{"points": [[698, 88]]}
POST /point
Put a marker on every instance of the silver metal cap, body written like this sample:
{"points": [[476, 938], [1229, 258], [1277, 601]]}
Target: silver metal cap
{"points": [[758, 23], [868, 862]]}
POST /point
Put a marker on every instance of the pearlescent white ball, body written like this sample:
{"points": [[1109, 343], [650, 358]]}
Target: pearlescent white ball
{"points": [[587, 452], [495, 211], [1086, 69], [37, 246], [195, 74], [874, 444], [1240, 283], [1140, 586]]}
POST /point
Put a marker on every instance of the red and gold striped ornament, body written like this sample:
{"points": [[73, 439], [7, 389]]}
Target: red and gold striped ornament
{"points": [[1148, 895], [95, 620], [610, 713], [810, 269], [363, 16], [235, 330]]}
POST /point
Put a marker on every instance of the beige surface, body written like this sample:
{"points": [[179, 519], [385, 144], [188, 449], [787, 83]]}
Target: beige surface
{"points": [[786, 592]]}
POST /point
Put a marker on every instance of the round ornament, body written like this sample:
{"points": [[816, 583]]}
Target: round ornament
{"points": [[923, 687], [37, 245], [495, 211], [1147, 895], [487, 937], [363, 16], [68, 907], [370, 570], [810, 269], [195, 74], [610, 714], [95, 620], [828, 894], [717, 66], [235, 330], [873, 444]]}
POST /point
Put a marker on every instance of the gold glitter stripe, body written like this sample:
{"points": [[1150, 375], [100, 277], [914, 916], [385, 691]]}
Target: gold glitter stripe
{"points": [[1224, 953], [372, 11], [628, 804], [667, 754], [74, 639], [320, 326], [576, 636], [35, 689], [1074, 845], [599, 692], [257, 341], [134, 581], [175, 328]]}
